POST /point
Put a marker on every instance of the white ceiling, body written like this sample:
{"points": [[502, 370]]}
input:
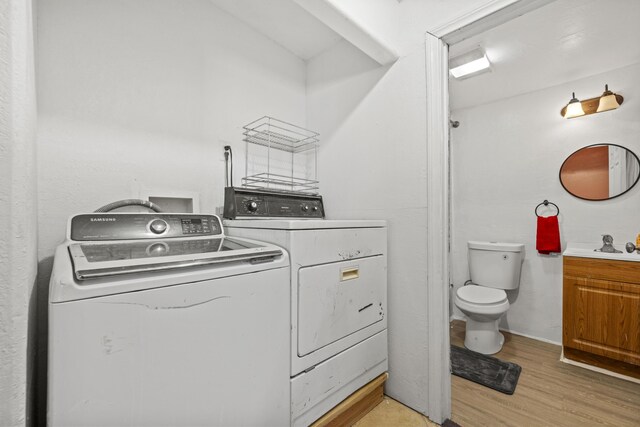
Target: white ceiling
{"points": [[284, 22], [558, 43]]}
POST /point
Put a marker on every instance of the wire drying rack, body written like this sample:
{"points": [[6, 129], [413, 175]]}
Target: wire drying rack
{"points": [[280, 156]]}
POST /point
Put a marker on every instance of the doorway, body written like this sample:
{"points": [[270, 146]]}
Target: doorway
{"points": [[505, 158]]}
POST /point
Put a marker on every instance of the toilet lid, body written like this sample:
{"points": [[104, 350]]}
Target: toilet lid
{"points": [[481, 295]]}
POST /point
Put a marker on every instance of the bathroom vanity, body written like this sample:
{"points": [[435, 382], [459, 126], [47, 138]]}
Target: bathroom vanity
{"points": [[601, 309]]}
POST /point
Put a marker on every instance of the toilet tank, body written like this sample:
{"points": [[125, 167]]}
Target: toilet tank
{"points": [[496, 265]]}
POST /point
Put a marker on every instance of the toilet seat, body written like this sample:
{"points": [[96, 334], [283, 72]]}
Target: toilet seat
{"points": [[481, 295], [479, 300]]}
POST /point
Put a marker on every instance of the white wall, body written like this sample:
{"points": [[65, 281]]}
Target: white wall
{"points": [[139, 97], [372, 166], [372, 122], [17, 211], [506, 156], [143, 95]]}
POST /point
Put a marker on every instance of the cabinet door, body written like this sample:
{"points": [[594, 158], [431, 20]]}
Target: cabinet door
{"points": [[602, 317]]}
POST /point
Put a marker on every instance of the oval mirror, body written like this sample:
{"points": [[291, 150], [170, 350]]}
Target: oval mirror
{"points": [[600, 172]]}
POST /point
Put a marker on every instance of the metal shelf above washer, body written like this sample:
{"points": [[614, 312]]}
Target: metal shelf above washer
{"points": [[279, 135], [285, 159], [280, 183]]}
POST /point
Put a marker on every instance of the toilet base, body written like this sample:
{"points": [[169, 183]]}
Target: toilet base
{"points": [[483, 337]]}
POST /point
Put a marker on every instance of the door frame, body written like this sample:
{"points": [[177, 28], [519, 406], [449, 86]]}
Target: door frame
{"points": [[485, 17]]}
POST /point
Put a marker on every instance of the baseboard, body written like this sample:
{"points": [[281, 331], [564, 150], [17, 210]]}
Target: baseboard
{"points": [[532, 337], [511, 331], [356, 406], [601, 364]]}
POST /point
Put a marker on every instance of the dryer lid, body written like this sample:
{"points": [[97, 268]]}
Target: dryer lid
{"points": [[481, 295]]}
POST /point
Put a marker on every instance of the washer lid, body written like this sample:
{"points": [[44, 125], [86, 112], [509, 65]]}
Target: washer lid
{"points": [[475, 294], [302, 224], [102, 259]]}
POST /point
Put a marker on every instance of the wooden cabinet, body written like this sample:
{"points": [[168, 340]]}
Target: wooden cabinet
{"points": [[601, 313]]}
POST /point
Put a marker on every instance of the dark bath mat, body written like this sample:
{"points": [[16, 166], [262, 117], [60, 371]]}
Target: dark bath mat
{"points": [[485, 370], [449, 423]]}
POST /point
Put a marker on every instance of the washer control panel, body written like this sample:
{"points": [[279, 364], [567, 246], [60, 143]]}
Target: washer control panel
{"points": [[132, 226], [245, 203]]}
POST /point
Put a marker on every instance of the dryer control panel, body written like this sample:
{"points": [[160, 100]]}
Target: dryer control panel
{"points": [[134, 226], [240, 203]]}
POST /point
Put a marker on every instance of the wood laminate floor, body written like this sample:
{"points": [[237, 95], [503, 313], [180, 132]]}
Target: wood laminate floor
{"points": [[549, 392]]}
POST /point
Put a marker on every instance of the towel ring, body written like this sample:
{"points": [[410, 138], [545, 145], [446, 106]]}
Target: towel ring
{"points": [[547, 203]]}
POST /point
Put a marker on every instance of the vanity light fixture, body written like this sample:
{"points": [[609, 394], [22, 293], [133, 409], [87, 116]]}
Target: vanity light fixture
{"points": [[470, 64], [608, 101]]}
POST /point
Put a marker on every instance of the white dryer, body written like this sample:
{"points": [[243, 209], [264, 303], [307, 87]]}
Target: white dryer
{"points": [[162, 320], [338, 305]]}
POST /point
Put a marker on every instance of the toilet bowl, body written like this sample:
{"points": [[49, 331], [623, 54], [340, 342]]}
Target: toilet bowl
{"points": [[483, 308], [494, 267]]}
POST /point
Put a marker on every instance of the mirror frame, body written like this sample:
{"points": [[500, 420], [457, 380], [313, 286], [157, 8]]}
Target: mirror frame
{"points": [[595, 145]]}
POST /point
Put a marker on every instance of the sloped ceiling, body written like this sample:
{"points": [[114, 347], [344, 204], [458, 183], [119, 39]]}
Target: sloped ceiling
{"points": [[284, 22]]}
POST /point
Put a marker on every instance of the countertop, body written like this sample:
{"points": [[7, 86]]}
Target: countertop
{"points": [[586, 250]]}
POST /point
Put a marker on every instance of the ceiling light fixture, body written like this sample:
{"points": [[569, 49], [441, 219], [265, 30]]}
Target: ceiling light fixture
{"points": [[608, 101], [470, 64]]}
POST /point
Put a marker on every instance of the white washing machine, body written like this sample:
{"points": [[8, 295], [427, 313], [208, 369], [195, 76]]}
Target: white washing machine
{"points": [[162, 320], [338, 305]]}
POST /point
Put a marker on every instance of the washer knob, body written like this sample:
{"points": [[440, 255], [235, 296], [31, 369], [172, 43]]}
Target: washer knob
{"points": [[304, 208], [252, 206], [157, 249], [158, 226]]}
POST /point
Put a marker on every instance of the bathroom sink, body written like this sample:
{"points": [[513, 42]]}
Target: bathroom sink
{"points": [[586, 250]]}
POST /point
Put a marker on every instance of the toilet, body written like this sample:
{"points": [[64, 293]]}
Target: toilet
{"points": [[494, 268]]}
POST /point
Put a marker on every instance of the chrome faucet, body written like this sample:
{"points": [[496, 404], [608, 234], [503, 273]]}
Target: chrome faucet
{"points": [[607, 245]]}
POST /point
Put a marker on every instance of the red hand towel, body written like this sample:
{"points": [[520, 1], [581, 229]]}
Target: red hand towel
{"points": [[548, 235]]}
